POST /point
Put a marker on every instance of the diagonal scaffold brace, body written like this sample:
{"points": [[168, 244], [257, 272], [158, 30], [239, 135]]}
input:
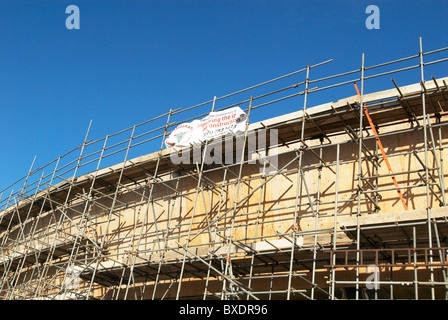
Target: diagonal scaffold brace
{"points": [[380, 146]]}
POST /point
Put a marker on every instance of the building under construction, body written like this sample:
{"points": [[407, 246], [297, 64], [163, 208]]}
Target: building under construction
{"points": [[353, 207]]}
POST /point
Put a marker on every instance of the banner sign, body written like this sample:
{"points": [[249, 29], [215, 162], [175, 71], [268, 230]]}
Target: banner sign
{"points": [[184, 135], [216, 124]]}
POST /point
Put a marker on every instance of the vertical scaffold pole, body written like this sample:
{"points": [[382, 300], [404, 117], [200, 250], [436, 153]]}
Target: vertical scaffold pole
{"points": [[228, 265], [150, 201], [358, 214], [298, 187], [111, 210], [198, 189], [335, 222], [425, 142]]}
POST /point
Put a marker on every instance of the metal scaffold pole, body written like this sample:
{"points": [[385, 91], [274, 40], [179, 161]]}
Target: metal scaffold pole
{"points": [[303, 218], [425, 139]]}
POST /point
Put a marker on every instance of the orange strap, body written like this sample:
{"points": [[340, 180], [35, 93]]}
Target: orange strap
{"points": [[380, 145]]}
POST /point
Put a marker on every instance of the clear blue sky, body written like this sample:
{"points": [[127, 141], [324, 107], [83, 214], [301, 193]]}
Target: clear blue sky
{"points": [[133, 60]]}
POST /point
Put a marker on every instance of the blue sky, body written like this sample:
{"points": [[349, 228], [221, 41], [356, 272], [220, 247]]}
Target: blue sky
{"points": [[133, 60]]}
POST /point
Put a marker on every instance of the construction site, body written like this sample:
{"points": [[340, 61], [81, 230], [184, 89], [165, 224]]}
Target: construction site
{"points": [[340, 200]]}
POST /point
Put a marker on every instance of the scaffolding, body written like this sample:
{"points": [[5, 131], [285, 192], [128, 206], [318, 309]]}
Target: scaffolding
{"points": [[109, 221]]}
